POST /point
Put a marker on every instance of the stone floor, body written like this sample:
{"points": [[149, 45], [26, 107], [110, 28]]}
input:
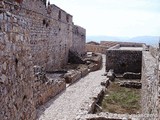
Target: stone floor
{"points": [[75, 100]]}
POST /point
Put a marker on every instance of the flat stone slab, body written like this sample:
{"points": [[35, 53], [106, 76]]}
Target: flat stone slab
{"points": [[76, 100]]}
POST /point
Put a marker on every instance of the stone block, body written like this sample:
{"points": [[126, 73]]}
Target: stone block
{"points": [[130, 75], [111, 75]]}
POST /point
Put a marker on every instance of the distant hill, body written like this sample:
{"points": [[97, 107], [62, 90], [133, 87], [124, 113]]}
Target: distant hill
{"points": [[150, 40]]}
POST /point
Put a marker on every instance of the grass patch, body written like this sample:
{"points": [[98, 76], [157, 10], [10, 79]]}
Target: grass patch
{"points": [[121, 100]]}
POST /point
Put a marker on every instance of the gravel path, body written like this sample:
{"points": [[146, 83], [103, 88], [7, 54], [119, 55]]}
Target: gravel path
{"points": [[75, 98]]}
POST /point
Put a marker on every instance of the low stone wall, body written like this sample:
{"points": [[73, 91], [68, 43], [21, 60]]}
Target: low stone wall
{"points": [[123, 44], [96, 48], [114, 116], [44, 91], [149, 91], [82, 70], [96, 62], [72, 76]]}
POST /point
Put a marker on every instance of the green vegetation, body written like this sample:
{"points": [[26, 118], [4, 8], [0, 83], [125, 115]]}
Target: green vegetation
{"points": [[121, 100]]}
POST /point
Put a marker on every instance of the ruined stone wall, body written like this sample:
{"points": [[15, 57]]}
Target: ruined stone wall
{"points": [[124, 61], [16, 74], [149, 92], [123, 44], [78, 43], [50, 32], [104, 45], [47, 89], [96, 48], [31, 33]]}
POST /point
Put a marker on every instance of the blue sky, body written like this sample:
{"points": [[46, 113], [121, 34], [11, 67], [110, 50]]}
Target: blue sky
{"points": [[115, 17]]}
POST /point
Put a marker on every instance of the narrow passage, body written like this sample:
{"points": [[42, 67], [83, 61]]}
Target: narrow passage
{"points": [[69, 103]]}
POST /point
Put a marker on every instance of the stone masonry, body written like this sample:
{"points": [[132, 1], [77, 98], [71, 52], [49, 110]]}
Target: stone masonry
{"points": [[78, 43], [122, 58], [150, 83], [104, 45], [150, 91], [32, 33]]}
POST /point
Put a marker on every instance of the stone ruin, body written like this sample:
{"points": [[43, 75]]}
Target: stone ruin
{"points": [[132, 61], [35, 38], [124, 58]]}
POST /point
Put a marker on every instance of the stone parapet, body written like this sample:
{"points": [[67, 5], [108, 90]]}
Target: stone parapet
{"points": [[149, 90]]}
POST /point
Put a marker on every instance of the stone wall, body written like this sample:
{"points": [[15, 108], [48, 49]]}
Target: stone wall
{"points": [[31, 33], [127, 44], [149, 92], [78, 43], [109, 43], [104, 45], [96, 48], [50, 38], [16, 73], [122, 61], [45, 90]]}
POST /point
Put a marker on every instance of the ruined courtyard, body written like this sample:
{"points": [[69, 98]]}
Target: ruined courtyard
{"points": [[49, 72]]}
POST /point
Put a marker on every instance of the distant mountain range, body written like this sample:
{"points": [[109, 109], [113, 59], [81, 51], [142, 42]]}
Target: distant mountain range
{"points": [[149, 40]]}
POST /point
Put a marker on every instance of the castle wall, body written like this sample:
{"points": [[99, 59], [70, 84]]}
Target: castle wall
{"points": [[149, 92], [50, 32], [51, 38], [16, 74], [78, 43], [31, 33], [124, 61]]}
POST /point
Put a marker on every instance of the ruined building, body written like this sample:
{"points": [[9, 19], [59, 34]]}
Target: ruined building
{"points": [[128, 58], [33, 34]]}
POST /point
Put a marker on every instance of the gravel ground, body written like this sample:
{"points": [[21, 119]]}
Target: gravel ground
{"points": [[75, 99]]}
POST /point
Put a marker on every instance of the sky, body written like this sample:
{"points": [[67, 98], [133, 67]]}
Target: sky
{"points": [[127, 18]]}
